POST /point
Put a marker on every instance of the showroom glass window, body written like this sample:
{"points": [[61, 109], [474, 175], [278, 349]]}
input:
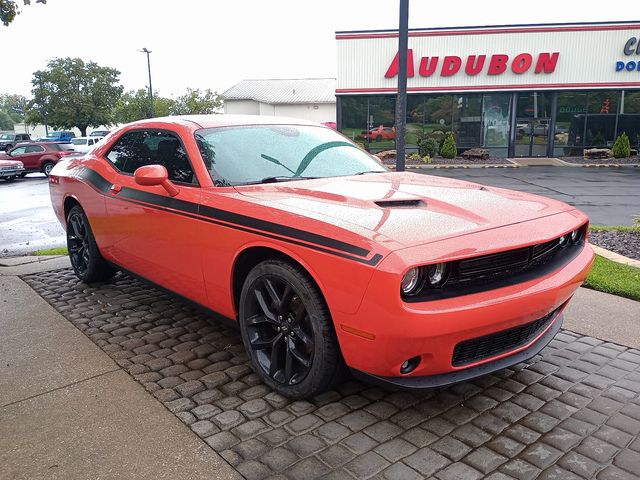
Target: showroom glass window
{"points": [[467, 120], [629, 118], [496, 108], [601, 118], [571, 114], [416, 116]]}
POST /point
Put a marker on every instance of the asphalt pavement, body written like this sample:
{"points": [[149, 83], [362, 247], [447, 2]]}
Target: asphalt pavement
{"points": [[610, 196]]}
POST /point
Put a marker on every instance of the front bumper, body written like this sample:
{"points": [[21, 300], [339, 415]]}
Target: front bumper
{"points": [[385, 332], [444, 379], [11, 172]]}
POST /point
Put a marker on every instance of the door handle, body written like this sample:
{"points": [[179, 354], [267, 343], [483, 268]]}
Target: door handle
{"points": [[115, 189]]}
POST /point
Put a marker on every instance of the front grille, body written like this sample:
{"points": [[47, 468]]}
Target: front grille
{"points": [[480, 348]]}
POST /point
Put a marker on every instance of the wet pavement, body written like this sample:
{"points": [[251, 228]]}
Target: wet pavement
{"points": [[609, 196], [27, 221], [572, 412]]}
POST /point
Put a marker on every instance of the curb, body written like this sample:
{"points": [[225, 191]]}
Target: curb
{"points": [[604, 165], [615, 257], [436, 167]]}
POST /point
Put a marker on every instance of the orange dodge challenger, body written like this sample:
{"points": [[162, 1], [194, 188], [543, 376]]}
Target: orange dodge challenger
{"points": [[322, 256]]}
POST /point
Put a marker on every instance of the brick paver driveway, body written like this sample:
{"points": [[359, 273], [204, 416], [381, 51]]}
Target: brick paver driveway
{"points": [[572, 412]]}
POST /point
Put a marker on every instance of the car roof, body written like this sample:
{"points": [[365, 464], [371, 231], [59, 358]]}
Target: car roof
{"points": [[226, 120]]}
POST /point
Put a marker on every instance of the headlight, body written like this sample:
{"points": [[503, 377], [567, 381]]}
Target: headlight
{"points": [[411, 282], [563, 240], [576, 235], [437, 274]]}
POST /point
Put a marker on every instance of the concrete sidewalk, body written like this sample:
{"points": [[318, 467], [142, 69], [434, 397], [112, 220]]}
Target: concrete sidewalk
{"points": [[68, 411]]}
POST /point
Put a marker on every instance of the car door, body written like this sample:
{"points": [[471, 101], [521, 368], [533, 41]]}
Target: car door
{"points": [[151, 232], [29, 155]]}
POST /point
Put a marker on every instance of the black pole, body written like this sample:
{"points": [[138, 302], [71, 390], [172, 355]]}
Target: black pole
{"points": [[153, 114], [401, 100]]}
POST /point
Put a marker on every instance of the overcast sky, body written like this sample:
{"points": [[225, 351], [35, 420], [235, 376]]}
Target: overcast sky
{"points": [[215, 44]]}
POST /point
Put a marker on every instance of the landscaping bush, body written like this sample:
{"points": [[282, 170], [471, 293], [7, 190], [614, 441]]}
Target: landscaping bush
{"points": [[622, 147], [415, 156], [426, 159], [428, 147], [449, 149]]}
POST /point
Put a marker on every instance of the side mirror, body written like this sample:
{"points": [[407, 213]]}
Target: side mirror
{"points": [[151, 175]]}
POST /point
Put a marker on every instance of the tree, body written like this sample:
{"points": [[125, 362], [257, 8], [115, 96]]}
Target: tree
{"points": [[6, 122], [15, 106], [74, 94], [197, 102], [449, 149], [134, 105], [9, 9]]}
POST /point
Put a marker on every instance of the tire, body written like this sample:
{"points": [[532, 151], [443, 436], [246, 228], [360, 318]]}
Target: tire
{"points": [[7, 148], [23, 174], [9, 179], [86, 260], [287, 330], [46, 168]]}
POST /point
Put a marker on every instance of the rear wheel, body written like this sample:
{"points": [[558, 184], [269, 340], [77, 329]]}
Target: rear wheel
{"points": [[287, 330], [86, 260], [47, 167], [9, 179]]}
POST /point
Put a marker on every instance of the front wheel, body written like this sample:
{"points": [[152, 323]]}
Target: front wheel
{"points": [[9, 179], [86, 260], [287, 330]]}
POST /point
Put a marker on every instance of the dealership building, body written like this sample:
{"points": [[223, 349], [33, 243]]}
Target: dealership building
{"points": [[518, 91]]}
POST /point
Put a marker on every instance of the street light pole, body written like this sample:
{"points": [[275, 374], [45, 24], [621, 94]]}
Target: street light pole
{"points": [[145, 50], [401, 100]]}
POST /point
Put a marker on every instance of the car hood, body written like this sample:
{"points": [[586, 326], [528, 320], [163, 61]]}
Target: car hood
{"points": [[5, 162], [403, 209]]}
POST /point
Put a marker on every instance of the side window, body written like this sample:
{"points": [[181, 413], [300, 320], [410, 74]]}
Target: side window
{"points": [[34, 149], [130, 153], [18, 151], [167, 150], [152, 147]]}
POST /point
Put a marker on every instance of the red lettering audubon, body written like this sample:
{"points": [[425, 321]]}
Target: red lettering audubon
{"points": [[474, 64], [393, 69], [427, 68], [498, 64], [547, 63], [450, 65]]}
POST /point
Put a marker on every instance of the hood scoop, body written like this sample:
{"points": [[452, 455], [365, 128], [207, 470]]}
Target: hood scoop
{"points": [[407, 203]]}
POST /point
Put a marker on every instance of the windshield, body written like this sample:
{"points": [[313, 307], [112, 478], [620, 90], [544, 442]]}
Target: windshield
{"points": [[261, 153], [53, 135], [6, 136], [79, 141]]}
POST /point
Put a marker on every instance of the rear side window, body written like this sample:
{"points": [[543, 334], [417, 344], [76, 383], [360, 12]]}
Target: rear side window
{"points": [[34, 149], [152, 147], [55, 147]]}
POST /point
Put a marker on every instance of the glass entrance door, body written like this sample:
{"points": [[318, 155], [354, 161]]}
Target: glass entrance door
{"points": [[532, 137]]}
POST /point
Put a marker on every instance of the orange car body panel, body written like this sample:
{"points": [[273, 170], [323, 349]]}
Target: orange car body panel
{"points": [[356, 250]]}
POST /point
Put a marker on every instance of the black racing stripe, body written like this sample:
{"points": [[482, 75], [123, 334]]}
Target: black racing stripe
{"points": [[372, 261], [237, 221], [95, 179]]}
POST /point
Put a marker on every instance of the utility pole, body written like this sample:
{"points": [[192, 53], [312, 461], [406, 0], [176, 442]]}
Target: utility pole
{"points": [[401, 99], [43, 108], [145, 50]]}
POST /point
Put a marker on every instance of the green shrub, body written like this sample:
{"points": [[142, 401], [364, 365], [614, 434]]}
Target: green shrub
{"points": [[449, 149], [415, 156], [428, 146], [599, 140], [622, 147], [426, 159], [361, 145]]}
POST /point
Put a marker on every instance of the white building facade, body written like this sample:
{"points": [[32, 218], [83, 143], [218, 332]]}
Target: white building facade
{"points": [[525, 90]]}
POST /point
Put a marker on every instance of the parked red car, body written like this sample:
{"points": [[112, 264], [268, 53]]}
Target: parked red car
{"points": [[10, 170], [320, 254], [37, 157], [379, 134]]}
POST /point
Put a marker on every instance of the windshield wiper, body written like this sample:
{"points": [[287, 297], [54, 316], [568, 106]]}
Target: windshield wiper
{"points": [[276, 179], [370, 171]]}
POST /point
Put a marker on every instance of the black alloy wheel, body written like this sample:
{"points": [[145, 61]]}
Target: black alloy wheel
{"points": [[86, 260], [287, 330]]}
